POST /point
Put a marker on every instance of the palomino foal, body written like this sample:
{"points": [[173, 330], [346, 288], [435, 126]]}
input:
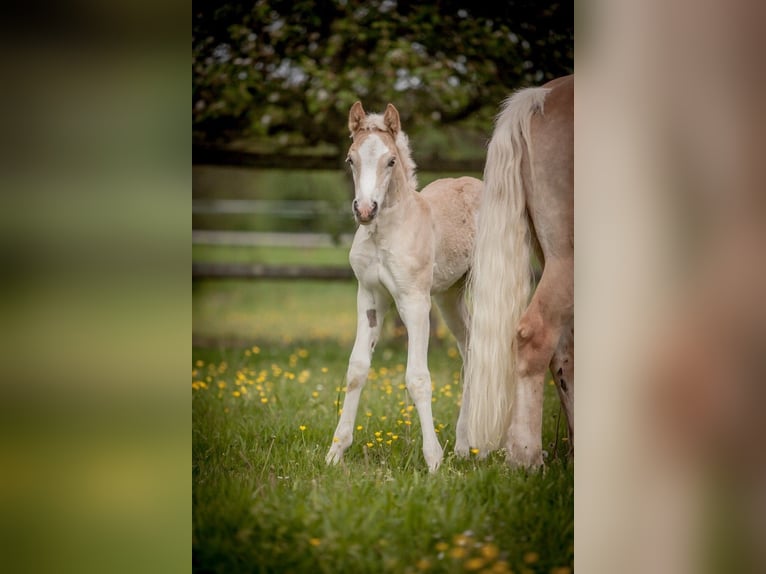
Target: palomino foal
{"points": [[409, 246]]}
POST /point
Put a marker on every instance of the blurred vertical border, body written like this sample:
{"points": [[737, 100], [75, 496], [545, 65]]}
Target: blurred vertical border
{"points": [[95, 303]]}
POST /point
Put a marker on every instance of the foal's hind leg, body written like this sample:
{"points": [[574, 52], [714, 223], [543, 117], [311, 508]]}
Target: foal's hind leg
{"points": [[453, 309], [562, 367], [415, 310], [538, 336], [371, 307]]}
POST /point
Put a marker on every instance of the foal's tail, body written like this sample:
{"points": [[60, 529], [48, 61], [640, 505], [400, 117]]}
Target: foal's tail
{"points": [[500, 279]]}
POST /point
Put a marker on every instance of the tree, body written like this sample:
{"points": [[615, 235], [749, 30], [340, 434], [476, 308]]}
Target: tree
{"points": [[289, 70]]}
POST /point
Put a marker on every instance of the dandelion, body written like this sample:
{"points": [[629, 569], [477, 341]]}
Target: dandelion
{"points": [[302, 428], [368, 414], [461, 540], [473, 563], [501, 567], [531, 557], [442, 546], [335, 439], [199, 364], [264, 400], [474, 451], [315, 541], [324, 369], [359, 427], [315, 394], [370, 444], [457, 552], [256, 350], [490, 551], [422, 564], [236, 393], [221, 384]]}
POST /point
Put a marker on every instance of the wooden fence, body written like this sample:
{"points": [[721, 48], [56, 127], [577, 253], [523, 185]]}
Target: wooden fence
{"points": [[217, 156]]}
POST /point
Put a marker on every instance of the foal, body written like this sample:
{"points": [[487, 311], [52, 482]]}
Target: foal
{"points": [[408, 247]]}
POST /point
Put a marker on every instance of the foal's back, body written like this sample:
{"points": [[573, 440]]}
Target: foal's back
{"points": [[454, 205]]}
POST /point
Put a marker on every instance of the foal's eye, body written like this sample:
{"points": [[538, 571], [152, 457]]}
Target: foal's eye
{"points": [[391, 162]]}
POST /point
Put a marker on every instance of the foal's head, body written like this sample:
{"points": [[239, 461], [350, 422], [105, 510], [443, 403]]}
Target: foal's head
{"points": [[379, 158]]}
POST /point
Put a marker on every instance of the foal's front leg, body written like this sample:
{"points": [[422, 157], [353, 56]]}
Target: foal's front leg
{"points": [[415, 311], [371, 306]]}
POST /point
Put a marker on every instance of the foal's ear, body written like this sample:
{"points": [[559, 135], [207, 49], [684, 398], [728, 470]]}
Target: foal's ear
{"points": [[355, 116], [391, 119]]}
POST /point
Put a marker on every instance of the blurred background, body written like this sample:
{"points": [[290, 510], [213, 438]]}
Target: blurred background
{"points": [[271, 88]]}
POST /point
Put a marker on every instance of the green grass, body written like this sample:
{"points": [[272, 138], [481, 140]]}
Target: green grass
{"points": [[264, 500], [265, 396]]}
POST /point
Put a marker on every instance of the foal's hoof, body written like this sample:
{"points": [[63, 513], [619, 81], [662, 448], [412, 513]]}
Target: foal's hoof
{"points": [[335, 455], [529, 459], [434, 459], [462, 450]]}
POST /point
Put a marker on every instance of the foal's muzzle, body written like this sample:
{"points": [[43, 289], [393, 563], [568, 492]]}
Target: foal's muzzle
{"points": [[365, 214]]}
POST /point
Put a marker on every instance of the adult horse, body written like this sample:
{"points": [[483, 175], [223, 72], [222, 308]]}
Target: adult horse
{"points": [[408, 247], [528, 203]]}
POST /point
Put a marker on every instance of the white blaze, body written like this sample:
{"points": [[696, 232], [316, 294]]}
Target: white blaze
{"points": [[368, 188]]}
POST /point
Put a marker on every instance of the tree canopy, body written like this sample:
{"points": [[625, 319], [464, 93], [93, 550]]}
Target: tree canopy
{"points": [[289, 70]]}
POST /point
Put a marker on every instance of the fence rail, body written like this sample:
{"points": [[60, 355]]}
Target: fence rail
{"points": [[259, 271]]}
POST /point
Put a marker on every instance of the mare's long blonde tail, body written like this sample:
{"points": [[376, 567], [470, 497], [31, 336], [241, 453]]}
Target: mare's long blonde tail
{"points": [[500, 279]]}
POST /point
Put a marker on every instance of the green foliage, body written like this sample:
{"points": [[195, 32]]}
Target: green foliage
{"points": [[290, 70]]}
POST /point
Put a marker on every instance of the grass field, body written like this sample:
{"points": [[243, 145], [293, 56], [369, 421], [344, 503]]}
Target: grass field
{"points": [[265, 406]]}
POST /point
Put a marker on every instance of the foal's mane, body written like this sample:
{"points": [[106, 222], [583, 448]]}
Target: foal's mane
{"points": [[374, 122]]}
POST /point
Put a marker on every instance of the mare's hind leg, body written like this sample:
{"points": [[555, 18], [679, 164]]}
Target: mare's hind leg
{"points": [[371, 307], [537, 338], [454, 311], [562, 367]]}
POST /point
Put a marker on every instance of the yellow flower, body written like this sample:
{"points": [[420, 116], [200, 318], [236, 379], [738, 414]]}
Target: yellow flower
{"points": [[315, 541], [457, 552], [474, 451], [422, 564], [461, 540], [531, 557], [264, 400], [359, 427], [473, 563], [324, 369], [199, 364], [490, 551], [302, 427], [256, 350], [235, 393], [370, 444], [335, 439], [441, 546]]}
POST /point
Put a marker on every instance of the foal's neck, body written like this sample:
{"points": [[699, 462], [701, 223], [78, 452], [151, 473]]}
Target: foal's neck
{"points": [[400, 189]]}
